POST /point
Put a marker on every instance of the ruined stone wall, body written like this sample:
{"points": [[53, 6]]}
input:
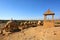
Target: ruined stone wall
{"points": [[48, 24]]}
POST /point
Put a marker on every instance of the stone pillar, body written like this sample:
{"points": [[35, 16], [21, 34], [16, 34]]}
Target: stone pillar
{"points": [[44, 17], [52, 17], [53, 20]]}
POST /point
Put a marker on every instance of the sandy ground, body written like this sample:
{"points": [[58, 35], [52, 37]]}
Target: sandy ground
{"points": [[35, 33]]}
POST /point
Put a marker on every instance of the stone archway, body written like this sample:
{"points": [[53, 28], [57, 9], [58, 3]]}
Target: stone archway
{"points": [[49, 23]]}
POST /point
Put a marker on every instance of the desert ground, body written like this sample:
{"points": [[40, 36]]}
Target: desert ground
{"points": [[36, 33]]}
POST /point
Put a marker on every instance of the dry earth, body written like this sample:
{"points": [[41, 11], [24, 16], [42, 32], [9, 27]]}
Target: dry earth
{"points": [[35, 33]]}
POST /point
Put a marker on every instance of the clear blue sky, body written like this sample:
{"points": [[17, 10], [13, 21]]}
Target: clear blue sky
{"points": [[28, 9]]}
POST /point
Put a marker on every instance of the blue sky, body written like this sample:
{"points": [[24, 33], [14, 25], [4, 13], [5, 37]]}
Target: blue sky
{"points": [[28, 9]]}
